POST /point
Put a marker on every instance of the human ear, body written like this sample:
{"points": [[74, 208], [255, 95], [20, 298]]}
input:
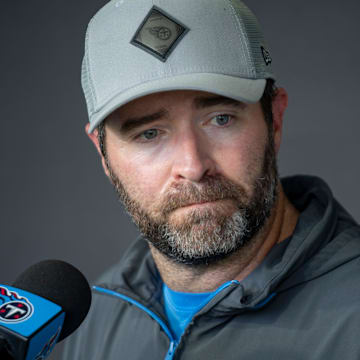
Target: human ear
{"points": [[95, 140], [279, 106]]}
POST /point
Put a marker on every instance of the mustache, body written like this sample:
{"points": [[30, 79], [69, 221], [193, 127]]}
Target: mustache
{"points": [[209, 189]]}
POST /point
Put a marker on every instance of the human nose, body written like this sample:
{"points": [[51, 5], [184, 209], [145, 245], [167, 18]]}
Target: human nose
{"points": [[192, 158]]}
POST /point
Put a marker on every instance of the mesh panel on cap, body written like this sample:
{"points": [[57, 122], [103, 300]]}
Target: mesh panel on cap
{"points": [[251, 29]]}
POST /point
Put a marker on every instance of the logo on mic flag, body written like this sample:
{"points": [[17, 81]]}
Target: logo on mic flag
{"points": [[14, 308]]}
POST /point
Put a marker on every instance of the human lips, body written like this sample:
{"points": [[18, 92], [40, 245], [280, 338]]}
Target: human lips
{"points": [[200, 203], [220, 206], [204, 203]]}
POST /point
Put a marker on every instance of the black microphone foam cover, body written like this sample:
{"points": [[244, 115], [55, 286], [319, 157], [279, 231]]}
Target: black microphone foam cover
{"points": [[64, 285]]}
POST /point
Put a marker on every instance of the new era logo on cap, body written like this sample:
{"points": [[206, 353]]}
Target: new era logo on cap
{"points": [[159, 34], [266, 56]]}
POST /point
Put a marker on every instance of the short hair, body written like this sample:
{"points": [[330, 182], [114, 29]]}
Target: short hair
{"points": [[265, 101]]}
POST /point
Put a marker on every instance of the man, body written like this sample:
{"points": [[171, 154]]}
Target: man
{"points": [[232, 263]]}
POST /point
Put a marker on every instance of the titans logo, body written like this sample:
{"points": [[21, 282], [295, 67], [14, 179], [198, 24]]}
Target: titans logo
{"points": [[14, 308]]}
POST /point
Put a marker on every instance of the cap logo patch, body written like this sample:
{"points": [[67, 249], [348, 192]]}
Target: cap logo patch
{"points": [[159, 34], [266, 55]]}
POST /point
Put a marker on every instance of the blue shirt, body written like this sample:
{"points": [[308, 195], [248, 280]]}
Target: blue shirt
{"points": [[180, 307]]}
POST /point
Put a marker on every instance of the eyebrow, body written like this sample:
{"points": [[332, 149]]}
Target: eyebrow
{"points": [[131, 124], [202, 102], [208, 101]]}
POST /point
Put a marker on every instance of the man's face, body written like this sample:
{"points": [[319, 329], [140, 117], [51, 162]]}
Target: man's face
{"points": [[197, 172]]}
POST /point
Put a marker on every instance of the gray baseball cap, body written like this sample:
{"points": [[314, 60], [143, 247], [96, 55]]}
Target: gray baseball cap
{"points": [[135, 48]]}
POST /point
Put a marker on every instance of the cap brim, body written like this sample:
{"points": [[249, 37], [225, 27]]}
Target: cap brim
{"points": [[246, 90]]}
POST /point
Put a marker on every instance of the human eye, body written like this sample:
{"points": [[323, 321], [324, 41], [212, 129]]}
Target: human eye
{"points": [[222, 120], [147, 135]]}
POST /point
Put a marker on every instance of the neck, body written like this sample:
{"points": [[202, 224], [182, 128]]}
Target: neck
{"points": [[237, 266]]}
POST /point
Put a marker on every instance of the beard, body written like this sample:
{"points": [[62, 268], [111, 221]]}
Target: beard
{"points": [[206, 235]]}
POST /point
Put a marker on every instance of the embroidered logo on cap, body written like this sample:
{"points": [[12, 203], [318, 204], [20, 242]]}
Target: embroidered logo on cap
{"points": [[266, 55], [159, 34]]}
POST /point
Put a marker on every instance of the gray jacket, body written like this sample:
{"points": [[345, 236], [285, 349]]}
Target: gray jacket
{"points": [[302, 302]]}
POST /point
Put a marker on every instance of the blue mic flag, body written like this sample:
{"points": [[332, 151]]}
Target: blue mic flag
{"points": [[32, 324]]}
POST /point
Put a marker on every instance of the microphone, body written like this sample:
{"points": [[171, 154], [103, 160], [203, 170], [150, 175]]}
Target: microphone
{"points": [[45, 304]]}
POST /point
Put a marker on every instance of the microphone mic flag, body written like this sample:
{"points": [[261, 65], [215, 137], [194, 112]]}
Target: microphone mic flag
{"points": [[45, 304]]}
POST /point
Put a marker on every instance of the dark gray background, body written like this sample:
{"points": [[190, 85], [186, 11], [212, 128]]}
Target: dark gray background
{"points": [[55, 201]]}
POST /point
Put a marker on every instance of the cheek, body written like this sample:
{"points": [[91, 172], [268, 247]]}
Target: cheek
{"points": [[141, 175], [241, 158]]}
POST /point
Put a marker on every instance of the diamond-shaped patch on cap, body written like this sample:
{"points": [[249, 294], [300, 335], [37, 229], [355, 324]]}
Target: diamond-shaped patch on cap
{"points": [[159, 34]]}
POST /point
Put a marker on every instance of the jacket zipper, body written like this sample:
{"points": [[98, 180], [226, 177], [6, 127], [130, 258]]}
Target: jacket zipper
{"points": [[173, 343]]}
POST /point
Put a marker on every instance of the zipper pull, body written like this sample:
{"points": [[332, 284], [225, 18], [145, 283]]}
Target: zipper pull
{"points": [[171, 350]]}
